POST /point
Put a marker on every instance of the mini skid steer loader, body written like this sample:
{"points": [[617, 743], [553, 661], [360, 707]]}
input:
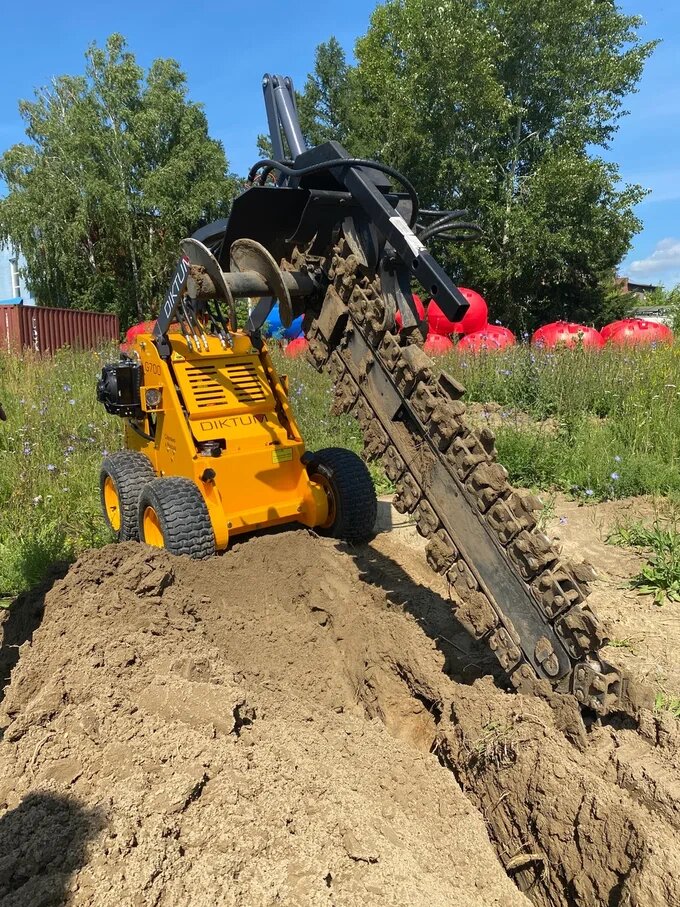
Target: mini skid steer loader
{"points": [[213, 449]]}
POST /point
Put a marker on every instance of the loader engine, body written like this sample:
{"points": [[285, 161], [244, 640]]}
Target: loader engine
{"points": [[119, 388]]}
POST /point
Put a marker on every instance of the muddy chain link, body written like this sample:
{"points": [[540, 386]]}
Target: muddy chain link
{"points": [[354, 303]]}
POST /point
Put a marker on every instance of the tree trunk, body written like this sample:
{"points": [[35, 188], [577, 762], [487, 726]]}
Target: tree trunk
{"points": [[510, 187]]}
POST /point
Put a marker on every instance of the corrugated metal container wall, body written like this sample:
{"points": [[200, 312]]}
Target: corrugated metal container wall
{"points": [[46, 330]]}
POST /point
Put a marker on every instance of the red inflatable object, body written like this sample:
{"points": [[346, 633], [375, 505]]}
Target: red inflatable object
{"points": [[144, 327], [565, 333], [609, 329], [420, 308], [437, 345], [638, 331], [493, 337], [296, 348], [475, 319]]}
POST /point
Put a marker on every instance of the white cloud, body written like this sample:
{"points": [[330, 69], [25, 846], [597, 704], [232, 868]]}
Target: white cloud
{"points": [[662, 266]]}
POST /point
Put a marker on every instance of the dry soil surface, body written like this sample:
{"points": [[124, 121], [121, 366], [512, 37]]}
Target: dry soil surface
{"points": [[297, 724]]}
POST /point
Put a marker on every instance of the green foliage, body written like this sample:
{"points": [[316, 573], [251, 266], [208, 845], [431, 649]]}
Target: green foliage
{"points": [[660, 576], [496, 106], [51, 448], [663, 702], [325, 105], [118, 168], [597, 424]]}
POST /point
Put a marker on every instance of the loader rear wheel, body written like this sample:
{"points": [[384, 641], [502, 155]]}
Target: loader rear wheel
{"points": [[121, 479], [173, 515], [352, 504]]}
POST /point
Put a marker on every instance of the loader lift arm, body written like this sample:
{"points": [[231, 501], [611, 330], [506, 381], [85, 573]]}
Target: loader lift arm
{"points": [[332, 240]]}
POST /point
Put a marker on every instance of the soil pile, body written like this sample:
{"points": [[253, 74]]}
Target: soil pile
{"points": [[267, 728]]}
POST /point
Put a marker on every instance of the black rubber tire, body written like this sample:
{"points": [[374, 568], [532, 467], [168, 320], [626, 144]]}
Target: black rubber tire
{"points": [[351, 485], [130, 471], [182, 514]]}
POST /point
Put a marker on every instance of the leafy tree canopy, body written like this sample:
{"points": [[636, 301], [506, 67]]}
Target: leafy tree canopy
{"points": [[117, 169], [499, 106]]}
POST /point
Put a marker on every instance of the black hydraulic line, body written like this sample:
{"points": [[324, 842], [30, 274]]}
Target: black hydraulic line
{"points": [[133, 425], [345, 162], [440, 232]]}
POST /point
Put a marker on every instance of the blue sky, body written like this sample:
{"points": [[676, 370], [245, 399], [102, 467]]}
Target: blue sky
{"points": [[224, 49]]}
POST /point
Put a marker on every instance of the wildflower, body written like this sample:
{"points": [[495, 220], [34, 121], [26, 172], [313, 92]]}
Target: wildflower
{"points": [[67, 388], [70, 449], [37, 500], [72, 401], [105, 453], [27, 449], [51, 467], [563, 521], [615, 476], [590, 492], [617, 459]]}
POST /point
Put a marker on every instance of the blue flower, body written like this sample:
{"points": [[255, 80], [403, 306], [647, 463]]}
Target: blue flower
{"points": [[72, 402], [51, 467], [617, 459], [590, 492], [563, 521], [67, 388], [614, 476]]}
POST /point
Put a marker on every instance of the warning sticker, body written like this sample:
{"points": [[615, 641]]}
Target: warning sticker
{"points": [[412, 240], [282, 454]]}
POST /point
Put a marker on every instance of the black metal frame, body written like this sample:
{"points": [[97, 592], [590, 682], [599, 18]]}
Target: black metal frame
{"points": [[320, 190]]}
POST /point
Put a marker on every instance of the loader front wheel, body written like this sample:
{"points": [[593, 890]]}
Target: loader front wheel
{"points": [[352, 504], [121, 479], [173, 515]]}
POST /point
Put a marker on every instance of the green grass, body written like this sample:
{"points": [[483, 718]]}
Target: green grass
{"points": [[665, 703], [603, 424], [51, 448], [660, 576]]}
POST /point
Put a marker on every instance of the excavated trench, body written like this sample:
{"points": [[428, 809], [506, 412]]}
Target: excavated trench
{"points": [[293, 723]]}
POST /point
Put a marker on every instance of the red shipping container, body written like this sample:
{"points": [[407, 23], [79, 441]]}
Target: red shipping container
{"points": [[45, 330]]}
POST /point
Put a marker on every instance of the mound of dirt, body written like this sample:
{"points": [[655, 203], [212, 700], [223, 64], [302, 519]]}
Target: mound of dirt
{"points": [[267, 728]]}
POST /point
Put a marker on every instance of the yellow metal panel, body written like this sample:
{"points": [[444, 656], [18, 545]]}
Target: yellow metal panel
{"points": [[226, 386]]}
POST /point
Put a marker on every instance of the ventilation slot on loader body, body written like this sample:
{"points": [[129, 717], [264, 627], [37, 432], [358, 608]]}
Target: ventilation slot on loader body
{"points": [[221, 387]]}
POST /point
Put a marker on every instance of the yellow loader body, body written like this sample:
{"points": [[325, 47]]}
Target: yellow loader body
{"points": [[221, 418]]}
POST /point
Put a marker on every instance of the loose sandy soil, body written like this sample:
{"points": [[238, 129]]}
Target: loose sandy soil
{"points": [[298, 724]]}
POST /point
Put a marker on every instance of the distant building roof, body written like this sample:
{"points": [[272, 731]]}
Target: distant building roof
{"points": [[626, 285], [18, 300]]}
